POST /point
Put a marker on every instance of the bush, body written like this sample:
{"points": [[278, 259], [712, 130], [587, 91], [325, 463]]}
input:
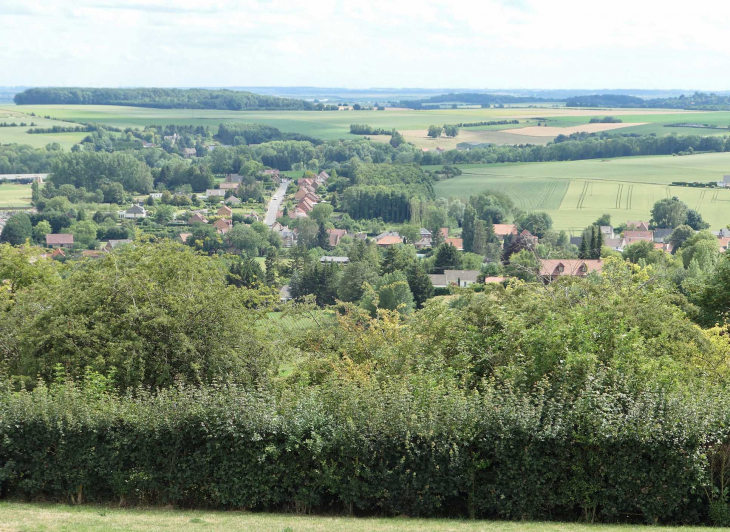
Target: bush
{"points": [[417, 447]]}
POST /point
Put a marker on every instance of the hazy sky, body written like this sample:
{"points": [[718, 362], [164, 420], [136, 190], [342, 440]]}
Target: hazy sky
{"points": [[367, 43]]}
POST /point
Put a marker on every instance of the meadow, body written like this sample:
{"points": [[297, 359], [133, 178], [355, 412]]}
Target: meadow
{"points": [[331, 125], [20, 135], [575, 193], [15, 196], [17, 517]]}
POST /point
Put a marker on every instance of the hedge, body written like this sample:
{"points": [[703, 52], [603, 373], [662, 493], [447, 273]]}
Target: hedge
{"points": [[413, 448]]}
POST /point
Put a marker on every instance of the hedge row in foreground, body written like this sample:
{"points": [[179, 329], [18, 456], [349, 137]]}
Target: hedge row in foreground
{"points": [[402, 448]]}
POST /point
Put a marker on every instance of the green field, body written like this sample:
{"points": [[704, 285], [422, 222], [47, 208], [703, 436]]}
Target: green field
{"points": [[19, 135], [15, 196], [575, 193], [19, 517], [330, 125]]}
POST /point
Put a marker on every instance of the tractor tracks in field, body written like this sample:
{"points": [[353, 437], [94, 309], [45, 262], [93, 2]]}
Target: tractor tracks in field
{"points": [[582, 196]]}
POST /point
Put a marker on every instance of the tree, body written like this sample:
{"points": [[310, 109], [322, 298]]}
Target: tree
{"points": [[669, 213], [17, 229], [584, 251], [271, 267], [695, 220], [420, 284], [323, 238], [84, 233], [354, 276], [679, 236], [642, 250], [435, 131], [391, 293], [410, 232], [447, 258], [125, 316], [479, 245], [164, 214], [40, 231], [150, 201], [605, 219], [467, 228], [396, 258], [523, 265], [714, 298], [245, 273], [321, 213], [397, 139], [537, 223]]}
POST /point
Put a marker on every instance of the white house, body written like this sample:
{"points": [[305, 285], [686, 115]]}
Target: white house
{"points": [[135, 211]]}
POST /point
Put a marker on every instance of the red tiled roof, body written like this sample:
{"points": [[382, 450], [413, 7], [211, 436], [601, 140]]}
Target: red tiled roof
{"points": [[59, 239], [390, 240], [505, 229], [579, 267], [458, 243]]}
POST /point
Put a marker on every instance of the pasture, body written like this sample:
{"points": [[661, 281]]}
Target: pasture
{"points": [[20, 135], [330, 125], [15, 196], [576, 193], [17, 517]]}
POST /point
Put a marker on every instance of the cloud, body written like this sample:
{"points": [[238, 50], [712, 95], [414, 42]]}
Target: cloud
{"points": [[430, 43]]}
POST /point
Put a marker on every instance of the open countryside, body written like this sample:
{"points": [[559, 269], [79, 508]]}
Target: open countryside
{"points": [[575, 193]]}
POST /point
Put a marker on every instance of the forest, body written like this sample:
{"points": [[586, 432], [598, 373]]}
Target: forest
{"points": [[159, 98]]}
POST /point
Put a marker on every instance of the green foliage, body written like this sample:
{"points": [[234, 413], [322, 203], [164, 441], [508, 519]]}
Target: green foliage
{"points": [[669, 212], [149, 314], [17, 230]]}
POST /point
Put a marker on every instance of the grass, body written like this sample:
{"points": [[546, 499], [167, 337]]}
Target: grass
{"points": [[20, 517], [576, 193], [15, 196], [19, 135]]}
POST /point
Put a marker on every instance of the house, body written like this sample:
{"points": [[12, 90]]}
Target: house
{"points": [[197, 218], [725, 183], [638, 236], [462, 278], [234, 178], [229, 186], [323, 175], [336, 235], [607, 231], [172, 138], [156, 195], [148, 145], [424, 242], [112, 244], [59, 241], [305, 192], [502, 230], [724, 243], [285, 293], [225, 211], [305, 205], [215, 192], [553, 268], [439, 149], [388, 241], [666, 247], [444, 232], [338, 260], [616, 244], [529, 238], [89, 253], [722, 233], [387, 233], [662, 235], [135, 211], [184, 237], [637, 226], [488, 280], [254, 216], [458, 243], [58, 252], [298, 213], [223, 225], [233, 200], [189, 152]]}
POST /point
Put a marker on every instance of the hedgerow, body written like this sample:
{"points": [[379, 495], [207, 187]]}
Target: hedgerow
{"points": [[410, 446]]}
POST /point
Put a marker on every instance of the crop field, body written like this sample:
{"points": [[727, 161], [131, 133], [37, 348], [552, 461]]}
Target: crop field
{"points": [[329, 125], [575, 193], [17, 517], [14, 196], [19, 134]]}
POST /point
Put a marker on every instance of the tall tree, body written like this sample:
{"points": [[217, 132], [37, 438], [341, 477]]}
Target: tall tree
{"points": [[17, 229], [467, 228], [480, 238], [420, 284]]}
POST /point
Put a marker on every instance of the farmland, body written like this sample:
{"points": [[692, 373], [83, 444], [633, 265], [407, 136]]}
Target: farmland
{"points": [[14, 196], [330, 125], [53, 518], [575, 193]]}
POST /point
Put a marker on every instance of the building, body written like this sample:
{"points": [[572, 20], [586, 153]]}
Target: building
{"points": [[336, 235], [388, 241], [234, 178], [338, 260], [458, 243], [637, 226], [607, 231], [462, 278], [638, 236], [215, 192], [725, 183], [551, 269], [184, 237], [502, 230], [223, 225], [197, 218], [225, 211], [113, 244], [662, 235], [156, 195], [134, 212], [59, 241], [229, 186], [189, 152], [233, 200]]}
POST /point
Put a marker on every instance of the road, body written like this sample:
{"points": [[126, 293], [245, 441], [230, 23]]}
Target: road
{"points": [[276, 202]]}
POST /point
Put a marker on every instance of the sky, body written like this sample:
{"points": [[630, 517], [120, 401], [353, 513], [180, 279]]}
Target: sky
{"points": [[549, 44]]}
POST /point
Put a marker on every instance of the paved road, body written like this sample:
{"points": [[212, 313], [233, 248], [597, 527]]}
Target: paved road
{"points": [[276, 202]]}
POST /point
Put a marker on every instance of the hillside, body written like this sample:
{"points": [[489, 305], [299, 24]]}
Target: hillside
{"points": [[160, 98]]}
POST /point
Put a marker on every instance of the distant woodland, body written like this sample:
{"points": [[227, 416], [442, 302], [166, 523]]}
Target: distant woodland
{"points": [[161, 98]]}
